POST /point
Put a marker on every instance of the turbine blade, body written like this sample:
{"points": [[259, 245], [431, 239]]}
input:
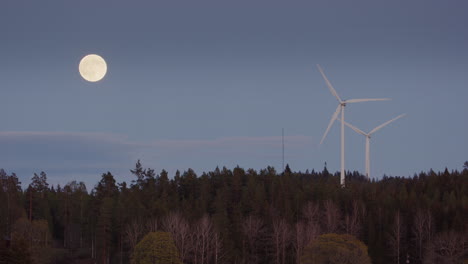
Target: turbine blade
{"points": [[386, 123], [366, 100], [332, 90], [354, 128], [334, 116]]}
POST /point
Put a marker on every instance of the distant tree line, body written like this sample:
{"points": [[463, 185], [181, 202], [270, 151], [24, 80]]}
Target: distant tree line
{"points": [[234, 216]]}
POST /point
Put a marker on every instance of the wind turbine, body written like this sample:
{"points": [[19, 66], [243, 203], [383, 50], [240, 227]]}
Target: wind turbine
{"points": [[368, 136], [340, 108]]}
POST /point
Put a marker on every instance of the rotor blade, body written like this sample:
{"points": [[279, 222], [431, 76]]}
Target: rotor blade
{"points": [[366, 100], [334, 116], [354, 128], [386, 123], [332, 90]]}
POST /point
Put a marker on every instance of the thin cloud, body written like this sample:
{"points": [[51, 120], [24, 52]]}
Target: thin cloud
{"points": [[71, 146], [67, 154], [60, 149], [228, 142]]}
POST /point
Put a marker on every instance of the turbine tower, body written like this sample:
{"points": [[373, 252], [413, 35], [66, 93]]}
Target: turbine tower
{"points": [[340, 109], [368, 136]]}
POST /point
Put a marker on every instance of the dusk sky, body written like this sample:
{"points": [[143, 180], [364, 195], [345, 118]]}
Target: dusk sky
{"points": [[200, 84]]}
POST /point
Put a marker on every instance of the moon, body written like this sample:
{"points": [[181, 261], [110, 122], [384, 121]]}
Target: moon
{"points": [[92, 68]]}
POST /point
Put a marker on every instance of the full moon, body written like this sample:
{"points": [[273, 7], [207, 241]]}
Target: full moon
{"points": [[92, 68]]}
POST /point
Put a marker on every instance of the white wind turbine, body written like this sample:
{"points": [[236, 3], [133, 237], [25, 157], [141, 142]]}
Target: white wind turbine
{"points": [[340, 108], [368, 136]]}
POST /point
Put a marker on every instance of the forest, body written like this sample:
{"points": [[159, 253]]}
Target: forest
{"points": [[234, 216]]}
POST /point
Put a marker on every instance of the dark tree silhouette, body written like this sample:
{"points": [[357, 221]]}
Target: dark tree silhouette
{"points": [[236, 216]]}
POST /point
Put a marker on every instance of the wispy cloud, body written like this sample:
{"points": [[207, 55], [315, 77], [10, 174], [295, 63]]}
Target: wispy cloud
{"points": [[63, 149], [228, 143], [65, 155]]}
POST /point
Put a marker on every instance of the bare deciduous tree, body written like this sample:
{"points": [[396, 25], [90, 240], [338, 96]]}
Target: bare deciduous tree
{"points": [[281, 238], [217, 248], [180, 230], [308, 229], [301, 239], [395, 236], [422, 228], [311, 212], [447, 247], [252, 228], [133, 232], [332, 216], [202, 240], [152, 225], [353, 219]]}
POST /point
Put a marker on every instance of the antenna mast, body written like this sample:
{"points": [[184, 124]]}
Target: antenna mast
{"points": [[282, 140]]}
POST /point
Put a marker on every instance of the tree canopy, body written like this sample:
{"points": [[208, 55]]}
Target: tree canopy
{"points": [[236, 215], [156, 247], [336, 249]]}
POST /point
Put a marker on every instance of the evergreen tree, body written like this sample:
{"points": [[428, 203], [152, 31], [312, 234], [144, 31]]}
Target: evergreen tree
{"points": [[98, 222], [106, 192], [139, 173]]}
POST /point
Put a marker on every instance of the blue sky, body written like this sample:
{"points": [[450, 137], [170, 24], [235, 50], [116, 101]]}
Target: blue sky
{"points": [[200, 84]]}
